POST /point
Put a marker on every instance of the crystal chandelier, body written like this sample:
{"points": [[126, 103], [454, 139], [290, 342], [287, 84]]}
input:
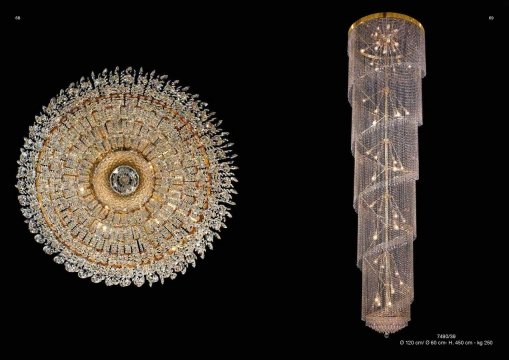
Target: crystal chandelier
{"points": [[126, 177], [386, 65]]}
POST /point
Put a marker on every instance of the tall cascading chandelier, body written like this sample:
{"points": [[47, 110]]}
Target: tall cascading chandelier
{"points": [[126, 177], [386, 65]]}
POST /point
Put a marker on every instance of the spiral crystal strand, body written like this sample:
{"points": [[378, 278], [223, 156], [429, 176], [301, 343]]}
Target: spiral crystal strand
{"points": [[126, 177], [386, 67]]}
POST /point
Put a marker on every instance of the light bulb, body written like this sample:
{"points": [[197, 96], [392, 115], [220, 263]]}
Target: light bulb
{"points": [[375, 237]]}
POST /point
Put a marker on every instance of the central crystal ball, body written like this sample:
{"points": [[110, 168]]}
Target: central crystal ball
{"points": [[124, 180]]}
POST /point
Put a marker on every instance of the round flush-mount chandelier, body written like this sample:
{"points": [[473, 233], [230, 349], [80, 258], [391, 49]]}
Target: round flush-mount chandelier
{"points": [[125, 177]]}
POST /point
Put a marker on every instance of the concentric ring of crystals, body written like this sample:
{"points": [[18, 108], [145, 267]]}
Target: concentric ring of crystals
{"points": [[126, 177]]}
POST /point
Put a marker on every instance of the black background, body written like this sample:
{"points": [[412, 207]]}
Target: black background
{"points": [[283, 277]]}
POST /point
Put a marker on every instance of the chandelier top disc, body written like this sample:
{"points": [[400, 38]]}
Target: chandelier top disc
{"points": [[125, 177], [386, 15]]}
